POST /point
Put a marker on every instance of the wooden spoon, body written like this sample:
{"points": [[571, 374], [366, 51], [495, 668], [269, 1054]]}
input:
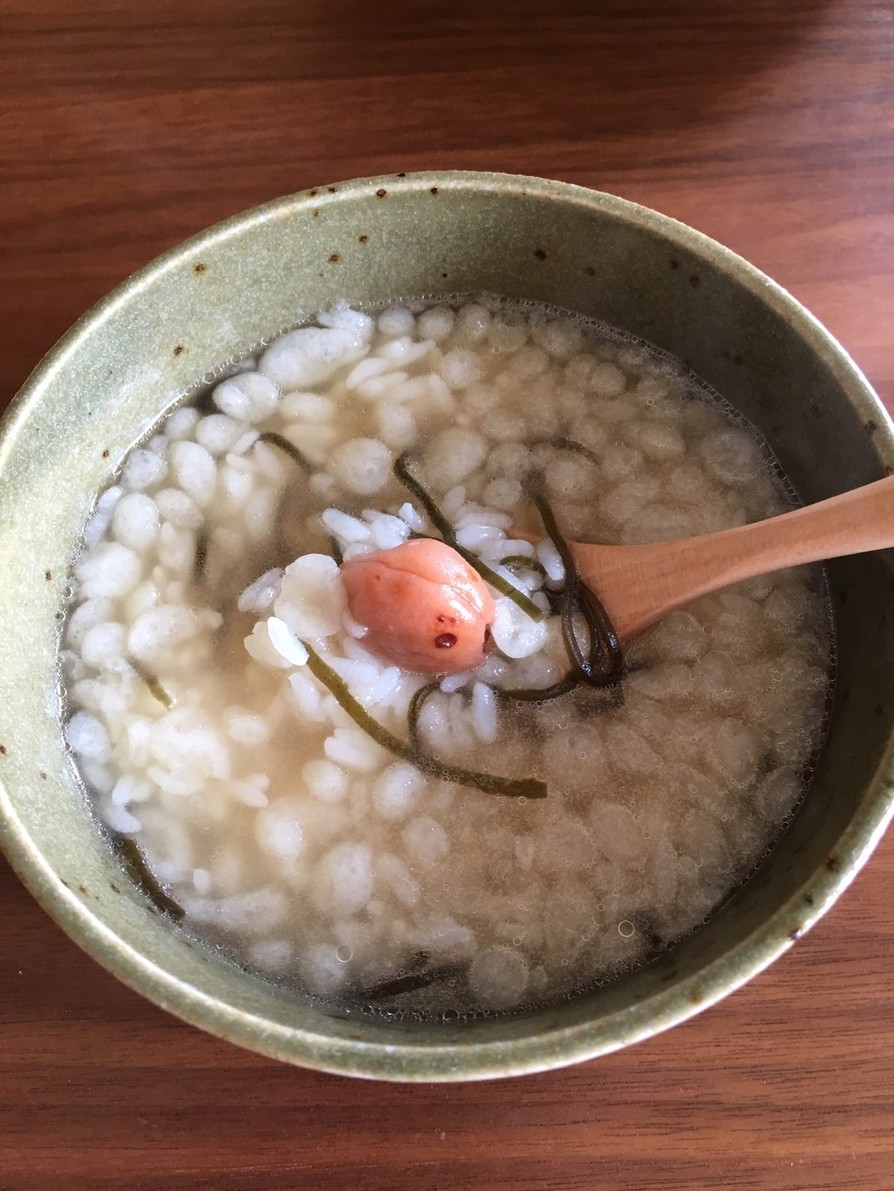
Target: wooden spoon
{"points": [[638, 585]]}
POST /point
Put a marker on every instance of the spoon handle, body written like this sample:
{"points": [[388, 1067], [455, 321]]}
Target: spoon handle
{"points": [[640, 584]]}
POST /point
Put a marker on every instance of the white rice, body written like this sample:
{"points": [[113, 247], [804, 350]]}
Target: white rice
{"points": [[307, 849]]}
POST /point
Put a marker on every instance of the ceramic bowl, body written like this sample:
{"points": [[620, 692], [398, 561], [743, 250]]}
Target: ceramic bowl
{"points": [[176, 321]]}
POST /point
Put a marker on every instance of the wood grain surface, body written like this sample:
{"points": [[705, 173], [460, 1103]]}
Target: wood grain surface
{"points": [[125, 127]]}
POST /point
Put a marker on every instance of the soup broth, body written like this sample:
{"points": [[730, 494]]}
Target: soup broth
{"points": [[444, 845]]}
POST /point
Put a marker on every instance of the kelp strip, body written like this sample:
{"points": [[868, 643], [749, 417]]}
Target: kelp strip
{"points": [[200, 559], [142, 876], [297, 457], [521, 562], [539, 694], [153, 684], [569, 444], [279, 440], [601, 662], [412, 982], [415, 710], [487, 783]]}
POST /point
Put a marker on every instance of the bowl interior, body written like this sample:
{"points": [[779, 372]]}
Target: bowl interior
{"points": [[214, 300]]}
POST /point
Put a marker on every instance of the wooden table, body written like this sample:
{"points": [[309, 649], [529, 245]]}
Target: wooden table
{"points": [[125, 127]]}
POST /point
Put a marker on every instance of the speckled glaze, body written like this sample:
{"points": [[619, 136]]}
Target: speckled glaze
{"points": [[218, 296]]}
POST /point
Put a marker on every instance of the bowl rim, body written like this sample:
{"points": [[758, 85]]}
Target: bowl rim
{"points": [[457, 1060]]}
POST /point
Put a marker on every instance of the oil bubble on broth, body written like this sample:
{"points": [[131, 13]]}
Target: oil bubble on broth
{"points": [[453, 842]]}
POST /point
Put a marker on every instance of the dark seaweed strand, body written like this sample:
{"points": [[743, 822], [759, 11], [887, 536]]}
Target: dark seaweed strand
{"points": [[521, 562], [142, 875], [603, 663], [279, 440], [200, 559], [569, 444], [488, 783], [596, 666], [152, 681], [442, 525], [411, 982], [604, 640], [445, 529], [564, 686], [415, 710], [541, 694]]}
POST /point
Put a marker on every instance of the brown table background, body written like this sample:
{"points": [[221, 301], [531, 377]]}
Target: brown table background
{"points": [[126, 126]]}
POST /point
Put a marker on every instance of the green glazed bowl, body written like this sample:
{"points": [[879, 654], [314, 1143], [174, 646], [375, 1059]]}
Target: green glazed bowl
{"points": [[209, 301]]}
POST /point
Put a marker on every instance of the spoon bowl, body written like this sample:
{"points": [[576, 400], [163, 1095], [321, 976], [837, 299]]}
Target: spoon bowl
{"points": [[639, 585]]}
